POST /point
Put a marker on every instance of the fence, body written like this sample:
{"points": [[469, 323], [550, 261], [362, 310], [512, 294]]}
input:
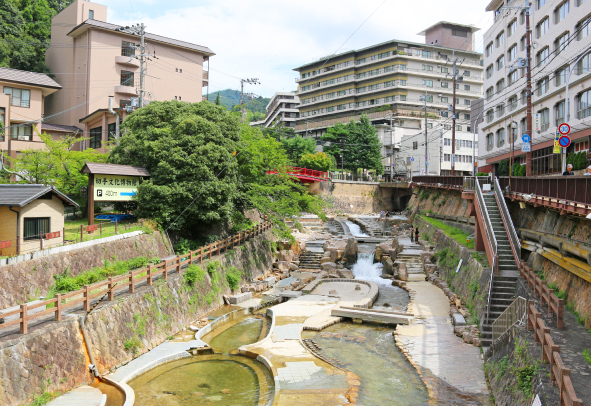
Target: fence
{"points": [[128, 281], [546, 295], [559, 374], [513, 314], [70, 235], [450, 181]]}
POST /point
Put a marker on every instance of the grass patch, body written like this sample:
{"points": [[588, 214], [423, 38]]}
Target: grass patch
{"points": [[45, 398], [132, 344], [587, 355], [455, 233], [447, 259]]}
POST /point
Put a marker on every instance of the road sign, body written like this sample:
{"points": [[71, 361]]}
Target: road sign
{"points": [[526, 147], [564, 141], [526, 138], [557, 143], [412, 159], [537, 123], [564, 129]]}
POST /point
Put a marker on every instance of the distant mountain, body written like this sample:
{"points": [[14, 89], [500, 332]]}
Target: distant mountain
{"points": [[230, 98]]}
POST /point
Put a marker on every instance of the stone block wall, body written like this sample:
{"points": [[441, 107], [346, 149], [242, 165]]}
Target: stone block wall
{"points": [[53, 357], [28, 280], [356, 197]]}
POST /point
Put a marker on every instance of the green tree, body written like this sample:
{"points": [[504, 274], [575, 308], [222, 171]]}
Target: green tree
{"points": [[298, 146], [503, 168], [319, 161], [363, 148], [334, 138], [189, 151], [217, 100]]}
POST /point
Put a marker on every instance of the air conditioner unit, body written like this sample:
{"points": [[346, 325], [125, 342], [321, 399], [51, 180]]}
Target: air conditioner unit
{"points": [[440, 95]]}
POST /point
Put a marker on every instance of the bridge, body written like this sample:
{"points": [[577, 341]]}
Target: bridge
{"points": [[304, 175]]}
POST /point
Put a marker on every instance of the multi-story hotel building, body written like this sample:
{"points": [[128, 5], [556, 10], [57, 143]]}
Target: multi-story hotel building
{"points": [[92, 60], [560, 36], [282, 110], [386, 82]]}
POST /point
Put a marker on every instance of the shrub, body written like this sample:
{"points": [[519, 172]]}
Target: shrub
{"points": [[233, 276], [212, 267], [194, 273]]}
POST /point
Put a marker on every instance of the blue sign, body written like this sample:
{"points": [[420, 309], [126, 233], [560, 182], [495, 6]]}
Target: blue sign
{"points": [[412, 159], [526, 138], [526, 147]]}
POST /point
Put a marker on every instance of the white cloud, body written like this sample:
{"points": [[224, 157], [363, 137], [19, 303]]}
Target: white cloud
{"points": [[266, 39]]}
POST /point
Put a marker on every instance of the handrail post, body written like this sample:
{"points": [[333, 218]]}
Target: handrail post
{"points": [[24, 319], [200, 255], [86, 298], [150, 266], [165, 272], [81, 233], [58, 307], [178, 264], [111, 287], [131, 284]]}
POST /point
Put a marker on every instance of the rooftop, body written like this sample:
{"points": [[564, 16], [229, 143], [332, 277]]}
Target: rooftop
{"points": [[114, 169], [20, 195], [158, 38], [28, 78], [471, 27], [59, 127]]}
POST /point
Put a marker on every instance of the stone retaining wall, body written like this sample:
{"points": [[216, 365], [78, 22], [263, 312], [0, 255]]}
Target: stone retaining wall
{"points": [[28, 280], [53, 358], [356, 198]]}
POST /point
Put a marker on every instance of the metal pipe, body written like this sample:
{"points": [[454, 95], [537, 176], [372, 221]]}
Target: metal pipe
{"points": [[94, 367]]}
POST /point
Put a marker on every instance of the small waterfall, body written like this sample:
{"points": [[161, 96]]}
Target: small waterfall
{"points": [[356, 230], [365, 269]]}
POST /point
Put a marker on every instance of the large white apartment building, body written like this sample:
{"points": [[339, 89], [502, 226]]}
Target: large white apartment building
{"points": [[560, 36], [386, 82], [281, 110]]}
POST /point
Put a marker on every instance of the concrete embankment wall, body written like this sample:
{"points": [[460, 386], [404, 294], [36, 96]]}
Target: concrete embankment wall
{"points": [[31, 279], [439, 201], [53, 357], [356, 197]]}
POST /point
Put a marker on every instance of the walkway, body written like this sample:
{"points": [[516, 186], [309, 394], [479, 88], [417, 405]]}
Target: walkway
{"points": [[82, 396], [452, 370]]}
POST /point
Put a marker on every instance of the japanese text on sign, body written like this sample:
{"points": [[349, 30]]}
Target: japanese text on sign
{"points": [[115, 187]]}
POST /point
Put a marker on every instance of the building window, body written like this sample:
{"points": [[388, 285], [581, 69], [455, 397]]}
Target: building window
{"points": [[544, 119], [444, 84], [500, 62], [112, 128], [559, 113], [500, 110], [512, 54], [511, 28], [500, 137], [466, 116], [429, 125], [490, 115], [467, 87], [524, 97], [490, 142], [523, 43], [446, 127], [542, 27], [384, 55], [561, 11], [489, 49], [540, 3], [415, 145], [467, 102], [2, 121], [582, 146], [500, 85], [91, 14], [513, 77], [560, 76], [428, 67], [467, 73], [96, 136], [583, 28], [127, 78], [402, 97], [583, 65], [500, 40], [458, 127], [428, 83], [447, 157], [489, 93], [127, 48], [489, 71], [523, 126], [426, 54], [21, 132], [444, 99], [444, 70], [584, 104], [512, 103], [36, 227], [561, 42], [543, 86], [18, 97], [459, 33], [543, 56], [446, 142], [522, 17]]}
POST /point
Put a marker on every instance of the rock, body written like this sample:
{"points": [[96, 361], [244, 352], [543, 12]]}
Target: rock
{"points": [[476, 342], [226, 391], [393, 253], [426, 255], [286, 256], [350, 251], [378, 254], [333, 292], [468, 338], [333, 276], [357, 287], [325, 266], [282, 266], [346, 274], [388, 267], [325, 260], [293, 267], [296, 262], [240, 298], [270, 281], [402, 272], [193, 328], [322, 275], [259, 287], [458, 319]]}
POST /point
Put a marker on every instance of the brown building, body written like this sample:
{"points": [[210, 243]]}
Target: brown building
{"points": [[93, 61], [450, 35]]}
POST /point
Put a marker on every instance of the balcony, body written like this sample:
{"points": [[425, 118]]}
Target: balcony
{"points": [[127, 61], [127, 90]]}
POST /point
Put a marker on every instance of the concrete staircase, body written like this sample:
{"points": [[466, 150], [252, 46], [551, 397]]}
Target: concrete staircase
{"points": [[504, 284], [310, 260], [372, 227], [414, 267]]}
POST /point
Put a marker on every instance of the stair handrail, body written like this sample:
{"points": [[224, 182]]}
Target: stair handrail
{"points": [[492, 241], [515, 313], [516, 244]]}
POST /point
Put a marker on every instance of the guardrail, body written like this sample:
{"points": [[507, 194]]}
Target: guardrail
{"points": [[450, 181], [559, 374], [515, 313], [127, 281], [515, 244], [546, 295]]}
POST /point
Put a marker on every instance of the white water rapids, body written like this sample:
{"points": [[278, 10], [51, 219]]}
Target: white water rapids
{"points": [[365, 269], [355, 229]]}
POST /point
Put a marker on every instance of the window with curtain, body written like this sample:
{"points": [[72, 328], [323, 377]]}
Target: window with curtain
{"points": [[21, 132], [500, 137], [584, 104], [18, 97], [36, 227]]}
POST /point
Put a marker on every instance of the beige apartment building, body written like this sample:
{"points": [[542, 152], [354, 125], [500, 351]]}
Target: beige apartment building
{"points": [[561, 40], [386, 82], [281, 110], [22, 100], [93, 61]]}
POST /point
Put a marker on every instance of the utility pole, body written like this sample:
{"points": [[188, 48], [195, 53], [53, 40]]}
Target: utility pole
{"points": [[253, 81], [453, 122], [528, 155], [139, 30]]}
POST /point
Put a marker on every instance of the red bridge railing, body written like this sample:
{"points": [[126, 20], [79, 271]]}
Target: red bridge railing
{"points": [[305, 174], [571, 188]]}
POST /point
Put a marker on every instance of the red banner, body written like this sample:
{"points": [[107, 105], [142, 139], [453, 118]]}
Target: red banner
{"points": [[91, 228], [55, 234], [4, 244]]}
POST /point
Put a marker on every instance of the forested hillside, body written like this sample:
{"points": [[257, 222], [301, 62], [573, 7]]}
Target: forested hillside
{"points": [[25, 28], [230, 98]]}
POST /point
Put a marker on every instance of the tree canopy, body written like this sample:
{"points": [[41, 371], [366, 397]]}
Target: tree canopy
{"points": [[297, 147], [319, 161]]}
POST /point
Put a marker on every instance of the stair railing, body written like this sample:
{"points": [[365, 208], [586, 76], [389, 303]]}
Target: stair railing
{"points": [[515, 243], [492, 240]]}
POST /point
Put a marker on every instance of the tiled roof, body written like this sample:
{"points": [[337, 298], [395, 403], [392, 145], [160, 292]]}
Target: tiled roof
{"points": [[59, 127], [20, 195], [28, 78], [114, 169], [159, 38]]}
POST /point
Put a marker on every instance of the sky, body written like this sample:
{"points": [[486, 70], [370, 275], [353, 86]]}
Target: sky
{"points": [[266, 39]]}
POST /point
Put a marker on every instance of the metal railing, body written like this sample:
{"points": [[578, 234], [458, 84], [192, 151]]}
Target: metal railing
{"points": [[515, 243], [516, 313], [450, 181], [574, 189], [469, 182]]}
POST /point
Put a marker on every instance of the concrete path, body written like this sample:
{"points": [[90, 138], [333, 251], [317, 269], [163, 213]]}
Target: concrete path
{"points": [[451, 369], [82, 396]]}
